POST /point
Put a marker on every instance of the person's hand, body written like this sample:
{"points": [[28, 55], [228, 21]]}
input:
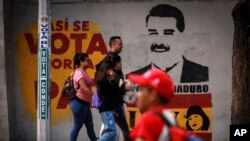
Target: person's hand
{"points": [[129, 86], [111, 75], [121, 82]]}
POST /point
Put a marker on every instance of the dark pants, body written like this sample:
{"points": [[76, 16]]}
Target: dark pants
{"points": [[120, 119], [82, 115]]}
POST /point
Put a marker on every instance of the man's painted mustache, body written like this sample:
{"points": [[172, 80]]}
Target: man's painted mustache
{"points": [[159, 48]]}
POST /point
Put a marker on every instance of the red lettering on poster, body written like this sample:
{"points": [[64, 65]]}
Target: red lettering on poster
{"points": [[62, 103], [78, 41], [67, 64], [97, 44], [91, 64], [76, 26], [31, 43], [85, 25], [56, 63], [65, 43]]}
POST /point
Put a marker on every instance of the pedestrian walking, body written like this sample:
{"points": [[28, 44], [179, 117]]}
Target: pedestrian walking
{"points": [[116, 46], [80, 104], [155, 90], [107, 87]]}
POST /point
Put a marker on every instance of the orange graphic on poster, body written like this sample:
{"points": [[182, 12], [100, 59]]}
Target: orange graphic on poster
{"points": [[133, 115], [192, 112], [67, 38]]}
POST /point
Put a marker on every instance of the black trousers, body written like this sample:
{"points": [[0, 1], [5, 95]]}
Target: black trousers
{"points": [[120, 119]]}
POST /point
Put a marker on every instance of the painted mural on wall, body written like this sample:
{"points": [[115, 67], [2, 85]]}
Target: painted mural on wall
{"points": [[165, 26], [67, 39], [163, 23], [192, 104]]}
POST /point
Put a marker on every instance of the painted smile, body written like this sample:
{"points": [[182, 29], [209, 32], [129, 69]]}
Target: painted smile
{"points": [[159, 48], [194, 125]]}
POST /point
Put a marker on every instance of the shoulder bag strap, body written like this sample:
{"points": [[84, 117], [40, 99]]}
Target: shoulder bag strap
{"points": [[72, 75], [164, 119]]}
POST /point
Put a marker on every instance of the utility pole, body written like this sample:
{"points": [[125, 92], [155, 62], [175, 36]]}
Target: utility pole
{"points": [[44, 53]]}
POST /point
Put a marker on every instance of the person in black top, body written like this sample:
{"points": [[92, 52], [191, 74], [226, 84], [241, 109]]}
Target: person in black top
{"points": [[116, 47], [107, 87], [119, 113]]}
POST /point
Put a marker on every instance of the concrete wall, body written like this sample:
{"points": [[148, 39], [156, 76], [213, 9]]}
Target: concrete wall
{"points": [[4, 121], [206, 40]]}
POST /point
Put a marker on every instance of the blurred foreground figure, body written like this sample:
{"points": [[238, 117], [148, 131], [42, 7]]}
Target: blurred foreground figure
{"points": [[155, 90]]}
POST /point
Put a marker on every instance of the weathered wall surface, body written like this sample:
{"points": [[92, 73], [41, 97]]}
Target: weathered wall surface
{"points": [[4, 115], [196, 51]]}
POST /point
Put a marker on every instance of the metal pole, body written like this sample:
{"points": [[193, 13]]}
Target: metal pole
{"points": [[44, 53]]}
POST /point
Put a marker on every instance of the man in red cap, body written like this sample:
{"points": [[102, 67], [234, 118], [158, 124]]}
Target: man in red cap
{"points": [[155, 90]]}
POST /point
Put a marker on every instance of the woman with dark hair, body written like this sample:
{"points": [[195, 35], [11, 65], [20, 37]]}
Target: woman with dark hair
{"points": [[197, 120], [120, 116], [80, 104], [107, 88], [118, 91]]}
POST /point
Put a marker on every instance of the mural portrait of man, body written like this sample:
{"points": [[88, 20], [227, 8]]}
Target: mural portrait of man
{"points": [[164, 24]]}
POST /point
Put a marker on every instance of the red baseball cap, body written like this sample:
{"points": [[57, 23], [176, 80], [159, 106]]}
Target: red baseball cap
{"points": [[157, 80]]}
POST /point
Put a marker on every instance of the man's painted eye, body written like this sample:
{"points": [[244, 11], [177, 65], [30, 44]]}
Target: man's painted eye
{"points": [[168, 32], [152, 32]]}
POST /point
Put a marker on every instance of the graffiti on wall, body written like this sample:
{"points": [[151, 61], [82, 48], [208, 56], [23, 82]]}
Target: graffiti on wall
{"points": [[192, 106], [67, 39], [164, 22]]}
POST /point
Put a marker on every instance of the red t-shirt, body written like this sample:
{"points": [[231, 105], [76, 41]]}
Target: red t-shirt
{"points": [[150, 126]]}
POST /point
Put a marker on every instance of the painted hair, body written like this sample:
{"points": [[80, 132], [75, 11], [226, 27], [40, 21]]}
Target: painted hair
{"points": [[196, 109], [165, 10]]}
